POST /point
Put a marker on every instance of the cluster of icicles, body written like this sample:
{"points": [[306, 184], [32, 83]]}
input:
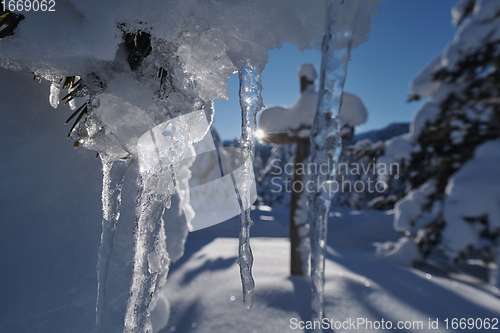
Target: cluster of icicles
{"points": [[170, 142], [160, 152]]}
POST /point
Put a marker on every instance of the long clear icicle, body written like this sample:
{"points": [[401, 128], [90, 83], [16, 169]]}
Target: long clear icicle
{"points": [[112, 183], [251, 103], [326, 144]]}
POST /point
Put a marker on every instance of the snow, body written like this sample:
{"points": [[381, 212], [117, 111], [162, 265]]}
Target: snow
{"points": [[404, 252], [352, 110], [357, 283], [462, 222], [459, 10], [422, 85], [473, 191], [397, 149], [308, 71], [471, 35], [426, 114], [400, 148], [408, 209], [226, 30], [299, 117], [486, 9]]}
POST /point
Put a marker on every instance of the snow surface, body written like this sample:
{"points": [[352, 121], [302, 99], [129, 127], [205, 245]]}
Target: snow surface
{"points": [[358, 284]]}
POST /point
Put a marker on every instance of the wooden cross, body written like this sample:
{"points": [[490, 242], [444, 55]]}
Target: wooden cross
{"points": [[292, 125]]}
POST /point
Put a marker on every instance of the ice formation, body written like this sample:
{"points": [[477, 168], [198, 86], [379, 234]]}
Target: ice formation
{"points": [[161, 151], [55, 89], [113, 174], [251, 103], [345, 21]]}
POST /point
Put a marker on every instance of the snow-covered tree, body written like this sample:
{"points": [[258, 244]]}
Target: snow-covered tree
{"points": [[451, 149]]}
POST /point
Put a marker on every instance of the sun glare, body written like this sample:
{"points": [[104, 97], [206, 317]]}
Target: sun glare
{"points": [[259, 134]]}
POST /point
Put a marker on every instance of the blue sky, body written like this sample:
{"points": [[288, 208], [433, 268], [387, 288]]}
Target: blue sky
{"points": [[404, 38]]}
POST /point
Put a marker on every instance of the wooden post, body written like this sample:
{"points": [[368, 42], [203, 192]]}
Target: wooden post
{"points": [[297, 266]]}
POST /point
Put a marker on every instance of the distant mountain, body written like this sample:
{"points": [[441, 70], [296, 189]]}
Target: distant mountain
{"points": [[384, 134]]}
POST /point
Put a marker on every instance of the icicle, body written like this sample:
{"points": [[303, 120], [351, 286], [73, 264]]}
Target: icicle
{"points": [[161, 151], [55, 89], [251, 103], [72, 104], [326, 142], [150, 259], [112, 182]]}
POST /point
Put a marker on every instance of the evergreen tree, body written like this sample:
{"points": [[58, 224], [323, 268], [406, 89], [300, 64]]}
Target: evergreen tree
{"points": [[462, 113]]}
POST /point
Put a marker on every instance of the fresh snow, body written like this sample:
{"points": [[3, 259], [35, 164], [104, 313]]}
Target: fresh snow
{"points": [[408, 209], [299, 117], [204, 292], [471, 195], [474, 192], [308, 71]]}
